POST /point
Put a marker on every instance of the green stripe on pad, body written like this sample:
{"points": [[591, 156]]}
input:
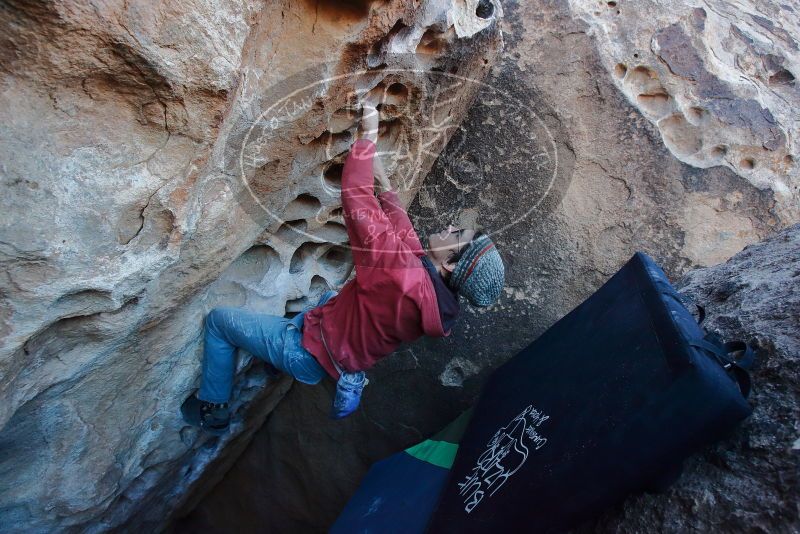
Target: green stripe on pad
{"points": [[438, 453], [455, 430]]}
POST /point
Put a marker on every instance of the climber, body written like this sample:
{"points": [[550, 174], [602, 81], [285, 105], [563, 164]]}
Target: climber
{"points": [[399, 293]]}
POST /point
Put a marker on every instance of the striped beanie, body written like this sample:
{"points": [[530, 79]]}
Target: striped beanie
{"points": [[479, 274]]}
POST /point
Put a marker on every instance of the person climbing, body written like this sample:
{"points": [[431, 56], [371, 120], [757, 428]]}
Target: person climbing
{"points": [[399, 293]]}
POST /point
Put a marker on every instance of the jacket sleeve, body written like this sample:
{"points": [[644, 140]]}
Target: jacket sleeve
{"points": [[367, 225], [394, 210]]}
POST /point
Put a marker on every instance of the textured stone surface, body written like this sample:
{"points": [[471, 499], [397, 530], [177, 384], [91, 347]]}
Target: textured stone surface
{"points": [[717, 78], [748, 483], [586, 182], [152, 170]]}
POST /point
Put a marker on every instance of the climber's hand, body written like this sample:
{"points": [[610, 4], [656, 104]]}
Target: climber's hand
{"points": [[369, 123], [373, 98]]}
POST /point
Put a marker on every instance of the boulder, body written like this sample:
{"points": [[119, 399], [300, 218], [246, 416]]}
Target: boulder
{"points": [[571, 177], [715, 77], [161, 159]]}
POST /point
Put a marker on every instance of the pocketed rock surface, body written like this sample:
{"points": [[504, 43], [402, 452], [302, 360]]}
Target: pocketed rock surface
{"points": [[716, 78], [161, 159], [572, 176]]}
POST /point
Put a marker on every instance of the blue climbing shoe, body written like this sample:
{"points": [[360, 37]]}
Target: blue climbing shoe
{"points": [[213, 418], [348, 394]]}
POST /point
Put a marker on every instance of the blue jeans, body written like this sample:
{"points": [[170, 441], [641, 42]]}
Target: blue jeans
{"points": [[274, 339]]}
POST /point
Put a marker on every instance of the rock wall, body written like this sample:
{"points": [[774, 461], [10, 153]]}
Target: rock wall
{"points": [[569, 197], [715, 77], [160, 159]]}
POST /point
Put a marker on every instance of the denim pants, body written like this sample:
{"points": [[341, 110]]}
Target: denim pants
{"points": [[274, 339]]}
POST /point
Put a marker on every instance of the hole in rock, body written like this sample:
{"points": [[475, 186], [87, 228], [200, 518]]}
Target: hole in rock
{"points": [[337, 261], [333, 176], [318, 286], [644, 80], [395, 101], [388, 135], [620, 70], [299, 224], [378, 51], [304, 206], [612, 4], [748, 164], [719, 151], [58, 338], [782, 77], [332, 232], [252, 265], [651, 95], [84, 302], [788, 159], [431, 43], [397, 92], [336, 257], [291, 229], [392, 99], [336, 213], [339, 11], [295, 306], [485, 9], [680, 136], [697, 114], [304, 256], [343, 119], [655, 103], [329, 138]]}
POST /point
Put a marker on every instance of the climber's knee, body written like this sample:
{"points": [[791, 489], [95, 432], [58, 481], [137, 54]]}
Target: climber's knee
{"points": [[215, 319]]}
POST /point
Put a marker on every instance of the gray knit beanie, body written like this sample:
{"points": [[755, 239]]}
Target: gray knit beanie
{"points": [[479, 274]]}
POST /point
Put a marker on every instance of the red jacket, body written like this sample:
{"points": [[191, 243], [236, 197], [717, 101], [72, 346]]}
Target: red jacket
{"points": [[391, 300]]}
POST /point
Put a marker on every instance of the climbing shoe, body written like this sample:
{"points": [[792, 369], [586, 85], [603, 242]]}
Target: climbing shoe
{"points": [[348, 394], [213, 418]]}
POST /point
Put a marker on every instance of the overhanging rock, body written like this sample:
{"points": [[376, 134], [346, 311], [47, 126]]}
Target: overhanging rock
{"points": [[160, 161]]}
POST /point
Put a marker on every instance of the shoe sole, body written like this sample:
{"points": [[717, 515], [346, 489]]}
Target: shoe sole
{"points": [[199, 424]]}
